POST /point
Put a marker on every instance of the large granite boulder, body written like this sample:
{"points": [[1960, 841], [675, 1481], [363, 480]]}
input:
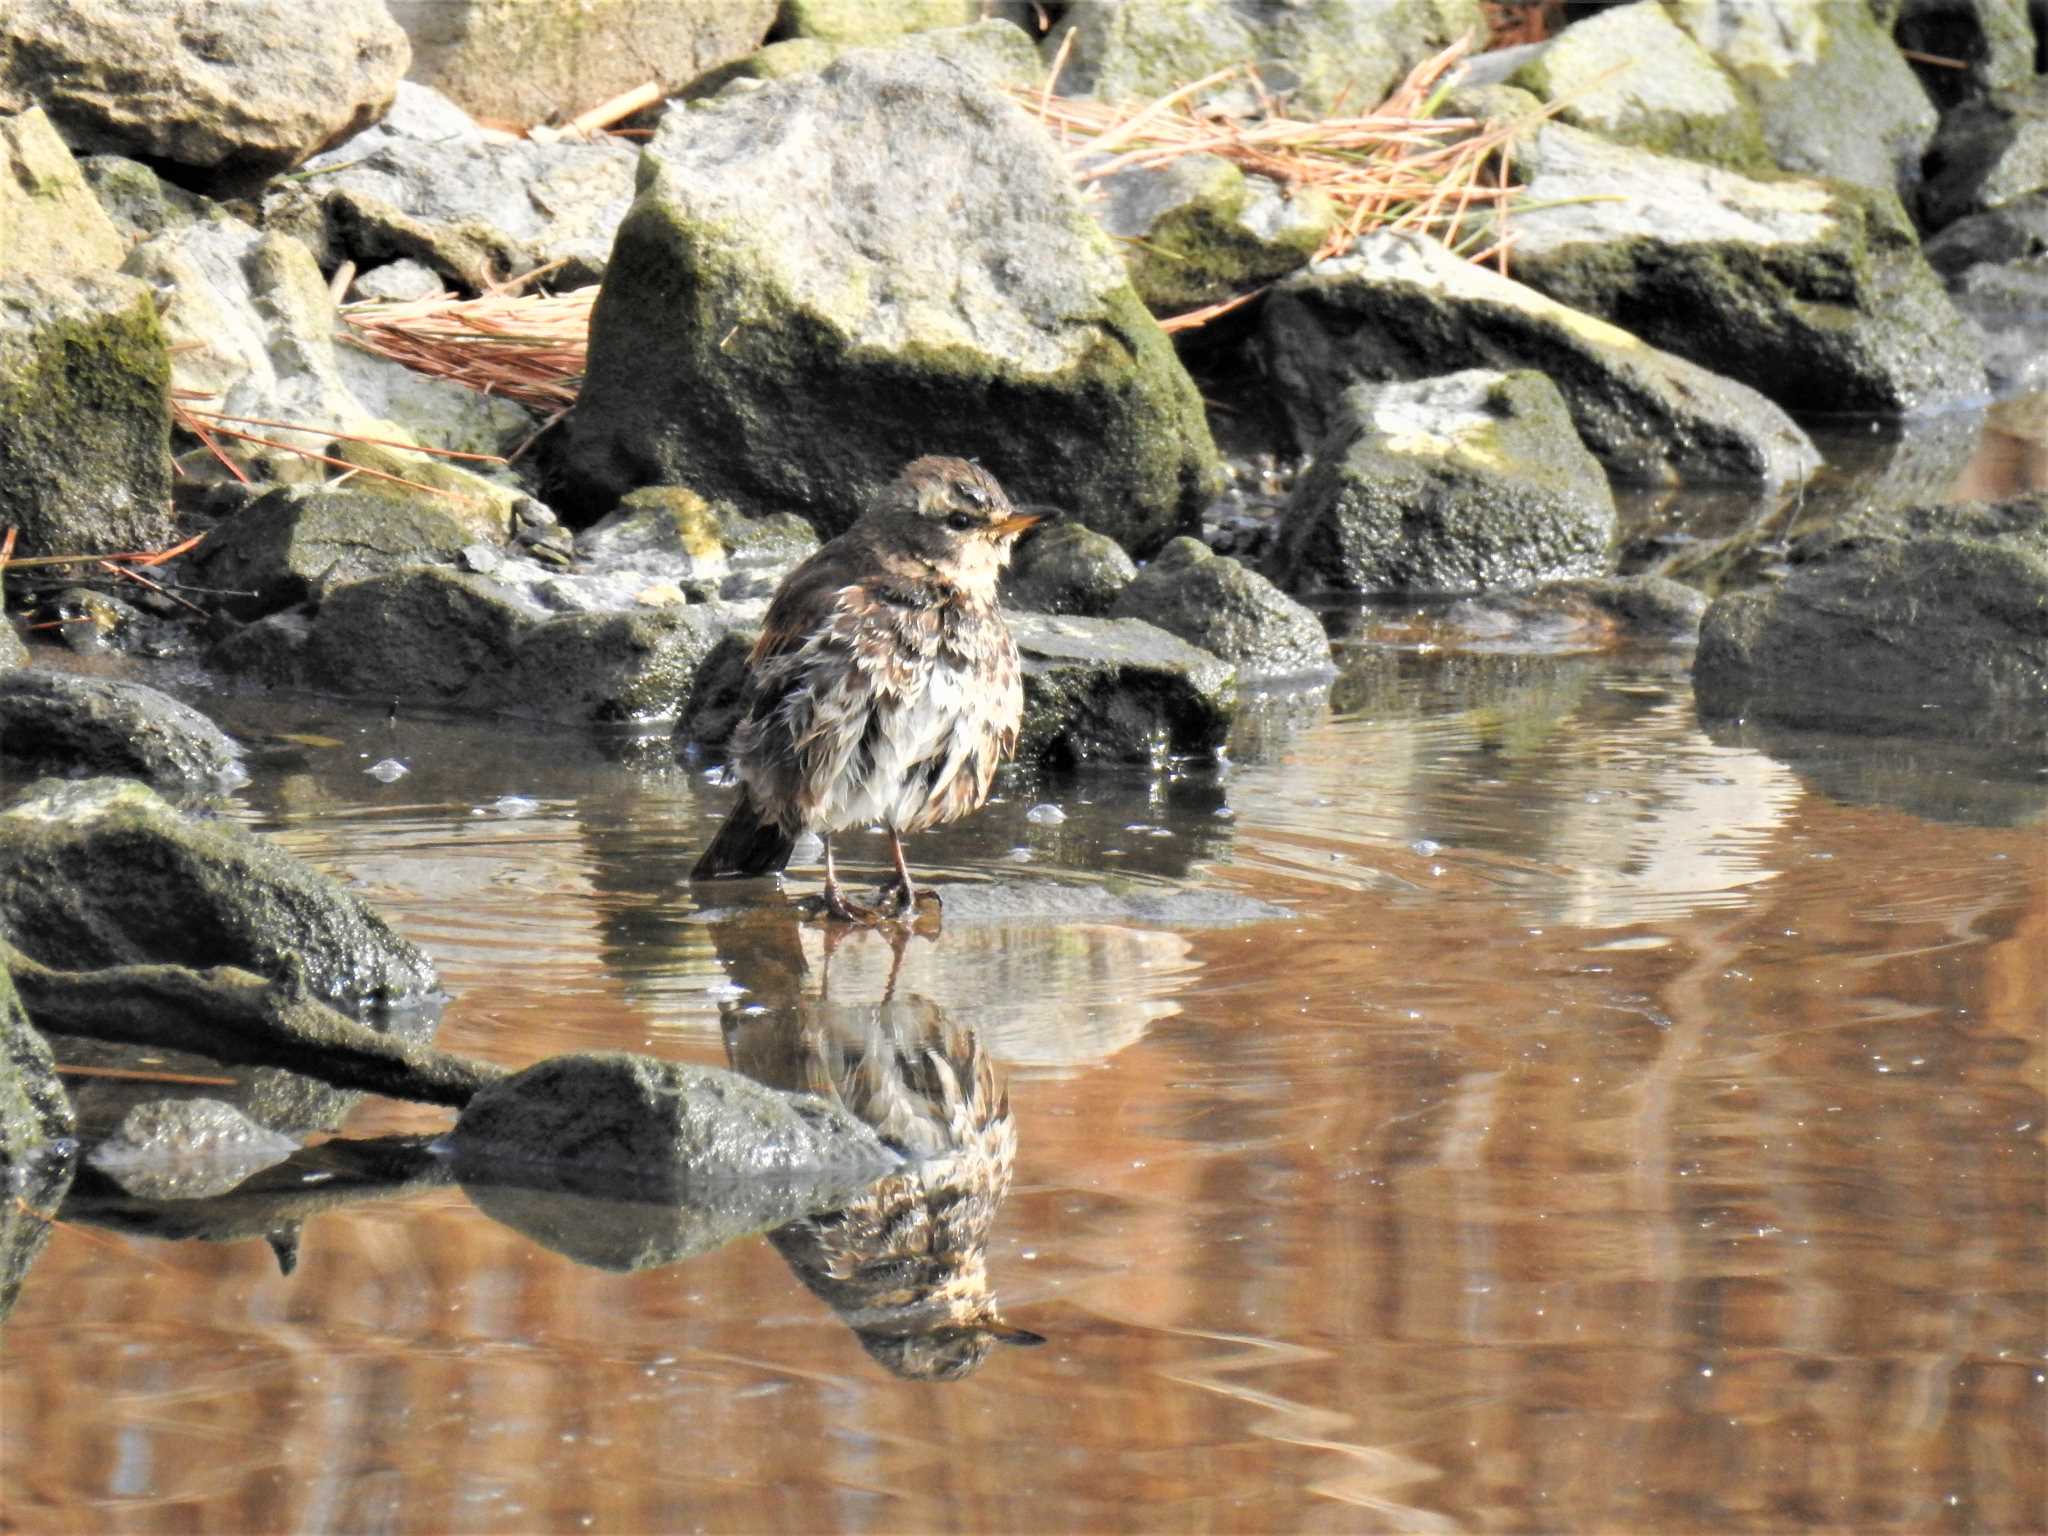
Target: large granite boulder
{"points": [[1354, 51], [824, 278], [1468, 483], [1228, 610], [55, 723], [520, 63], [52, 220], [103, 872], [1399, 307], [1931, 623], [1813, 292], [242, 90], [474, 205], [85, 416]]}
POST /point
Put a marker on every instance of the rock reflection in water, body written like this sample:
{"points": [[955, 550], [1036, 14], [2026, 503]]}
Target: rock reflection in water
{"points": [[905, 1264]]}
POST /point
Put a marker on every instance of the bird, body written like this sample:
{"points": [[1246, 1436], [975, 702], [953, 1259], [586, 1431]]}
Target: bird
{"points": [[884, 687]]}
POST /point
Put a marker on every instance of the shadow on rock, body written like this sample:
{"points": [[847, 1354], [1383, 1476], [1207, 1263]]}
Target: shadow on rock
{"points": [[905, 1263]]}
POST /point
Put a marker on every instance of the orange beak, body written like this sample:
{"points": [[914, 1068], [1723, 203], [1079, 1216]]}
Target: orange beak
{"points": [[1015, 524]]}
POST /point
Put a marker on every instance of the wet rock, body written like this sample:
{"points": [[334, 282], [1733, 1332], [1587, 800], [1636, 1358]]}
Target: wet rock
{"points": [[1929, 625], [1399, 308], [712, 711], [949, 294], [85, 465], [1466, 483], [241, 90], [423, 633], [1009, 901], [1198, 230], [253, 328], [520, 63], [995, 50], [36, 1125], [1117, 690], [608, 668], [1834, 96], [1584, 613], [867, 22], [2007, 303], [187, 1149], [1813, 292], [104, 873], [291, 544], [1632, 75], [673, 534], [13, 650], [54, 223], [1991, 37], [271, 651], [618, 1123], [1068, 569], [1355, 52], [1228, 610], [54, 723], [1988, 153], [477, 207]]}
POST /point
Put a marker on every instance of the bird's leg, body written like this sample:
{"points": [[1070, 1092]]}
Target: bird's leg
{"points": [[900, 894], [836, 903]]}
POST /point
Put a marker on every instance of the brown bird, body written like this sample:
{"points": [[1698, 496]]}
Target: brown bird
{"points": [[884, 687]]}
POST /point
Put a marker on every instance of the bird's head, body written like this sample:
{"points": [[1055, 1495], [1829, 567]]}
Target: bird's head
{"points": [[953, 516]]}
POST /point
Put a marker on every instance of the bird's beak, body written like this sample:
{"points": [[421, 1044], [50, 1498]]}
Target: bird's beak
{"points": [[1015, 524]]}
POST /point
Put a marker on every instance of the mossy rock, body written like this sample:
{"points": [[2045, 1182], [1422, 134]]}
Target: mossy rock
{"points": [[862, 23], [1199, 230]]}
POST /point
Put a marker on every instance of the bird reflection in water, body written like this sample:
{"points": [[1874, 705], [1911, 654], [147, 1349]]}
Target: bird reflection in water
{"points": [[905, 1265]]}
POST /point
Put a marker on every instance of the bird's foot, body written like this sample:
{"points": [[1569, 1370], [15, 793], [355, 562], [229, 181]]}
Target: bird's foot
{"points": [[898, 898]]}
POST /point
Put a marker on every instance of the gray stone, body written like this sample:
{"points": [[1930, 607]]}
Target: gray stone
{"points": [[271, 651], [1991, 37], [187, 1149], [1354, 51], [1117, 690], [1813, 292], [1403, 308], [2012, 232], [1932, 624], [424, 634], [1834, 96], [670, 533], [1631, 75], [396, 282], [520, 63], [867, 22], [55, 723], [36, 1125], [85, 422], [49, 218], [626, 1122], [476, 206], [1198, 230], [289, 545], [635, 666], [1467, 483], [826, 277], [995, 50], [1989, 153], [1068, 569], [140, 203], [1228, 610], [104, 873], [243, 89]]}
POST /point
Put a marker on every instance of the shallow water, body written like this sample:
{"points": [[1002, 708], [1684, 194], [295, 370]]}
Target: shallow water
{"points": [[1621, 1130]]}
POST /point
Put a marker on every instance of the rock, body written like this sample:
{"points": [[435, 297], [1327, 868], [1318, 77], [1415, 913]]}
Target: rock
{"points": [[1584, 613], [1988, 153], [671, 533], [55, 723], [2013, 231], [138, 201], [1397, 307], [13, 650], [1068, 569], [187, 1149], [863, 23], [53, 223], [290, 544], [604, 668], [1228, 610], [253, 329], [1117, 690], [998, 52], [1832, 91], [1631, 75], [271, 651], [423, 634], [2006, 302], [948, 294], [403, 281], [1467, 483], [1198, 230], [1813, 292], [85, 423], [476, 206], [1355, 52], [242, 90], [520, 63], [613, 1121], [1932, 625], [36, 1126], [1991, 37], [104, 873]]}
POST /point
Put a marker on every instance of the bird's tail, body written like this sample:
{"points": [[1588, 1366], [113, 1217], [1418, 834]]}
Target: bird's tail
{"points": [[748, 844]]}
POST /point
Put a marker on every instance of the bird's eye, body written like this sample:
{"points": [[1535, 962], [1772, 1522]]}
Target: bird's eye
{"points": [[959, 522]]}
